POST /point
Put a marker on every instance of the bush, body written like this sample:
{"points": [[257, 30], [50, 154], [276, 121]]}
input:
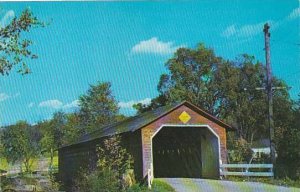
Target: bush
{"points": [[138, 188], [103, 181], [157, 186], [113, 172], [240, 152], [114, 157]]}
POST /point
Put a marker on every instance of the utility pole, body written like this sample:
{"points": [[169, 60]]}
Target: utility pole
{"points": [[269, 88]]}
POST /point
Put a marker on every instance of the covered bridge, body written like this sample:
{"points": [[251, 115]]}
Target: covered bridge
{"points": [[180, 140]]}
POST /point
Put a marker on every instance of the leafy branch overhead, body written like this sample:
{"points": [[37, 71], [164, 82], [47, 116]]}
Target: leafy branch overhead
{"points": [[14, 48]]}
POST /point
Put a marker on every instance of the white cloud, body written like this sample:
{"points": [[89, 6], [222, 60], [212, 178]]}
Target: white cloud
{"points": [[294, 14], [31, 104], [255, 29], [4, 96], [129, 104], [246, 30], [250, 30], [73, 104], [7, 18], [153, 45], [56, 104], [229, 31]]}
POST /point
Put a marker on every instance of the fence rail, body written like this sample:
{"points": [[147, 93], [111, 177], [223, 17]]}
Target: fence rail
{"points": [[244, 170]]}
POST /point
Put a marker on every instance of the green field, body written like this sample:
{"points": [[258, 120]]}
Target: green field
{"points": [[4, 165]]}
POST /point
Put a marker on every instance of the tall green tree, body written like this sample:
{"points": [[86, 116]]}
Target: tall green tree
{"points": [[233, 91], [20, 143], [226, 89], [191, 77], [14, 46], [287, 138], [53, 134], [73, 128], [98, 106]]}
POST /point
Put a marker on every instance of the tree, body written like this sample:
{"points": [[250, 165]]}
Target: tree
{"points": [[73, 128], [98, 106], [287, 138], [234, 91], [226, 89], [191, 77], [21, 143], [14, 48], [53, 134]]}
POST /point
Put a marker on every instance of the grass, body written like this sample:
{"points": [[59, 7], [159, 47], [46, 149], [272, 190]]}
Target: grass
{"points": [[287, 182], [161, 186], [55, 160], [34, 163], [157, 186], [3, 164]]}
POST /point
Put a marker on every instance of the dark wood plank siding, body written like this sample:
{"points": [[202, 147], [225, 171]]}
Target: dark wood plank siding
{"points": [[75, 159], [83, 157]]}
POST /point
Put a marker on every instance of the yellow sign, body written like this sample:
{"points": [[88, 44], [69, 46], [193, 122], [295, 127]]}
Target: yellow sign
{"points": [[184, 117]]}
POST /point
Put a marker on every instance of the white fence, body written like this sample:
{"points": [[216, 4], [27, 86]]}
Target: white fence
{"points": [[244, 170]]}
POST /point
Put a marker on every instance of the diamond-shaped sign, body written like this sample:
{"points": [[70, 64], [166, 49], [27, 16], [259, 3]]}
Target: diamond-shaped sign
{"points": [[184, 117]]}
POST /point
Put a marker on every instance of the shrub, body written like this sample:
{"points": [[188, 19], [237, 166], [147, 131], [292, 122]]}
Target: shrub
{"points": [[103, 181], [157, 186], [240, 152], [113, 172], [114, 157]]}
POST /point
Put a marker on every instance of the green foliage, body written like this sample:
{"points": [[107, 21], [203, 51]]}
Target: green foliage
{"points": [[13, 46], [157, 186], [226, 89], [97, 181], [72, 129], [191, 77], [98, 106], [21, 143], [3, 163], [113, 156], [161, 186], [53, 134], [105, 180], [138, 188], [155, 103], [287, 146], [280, 182], [112, 168], [240, 152]]}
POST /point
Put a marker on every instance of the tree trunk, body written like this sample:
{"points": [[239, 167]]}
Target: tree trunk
{"points": [[51, 159], [26, 163]]}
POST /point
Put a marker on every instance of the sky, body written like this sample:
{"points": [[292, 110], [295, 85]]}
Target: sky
{"points": [[128, 44]]}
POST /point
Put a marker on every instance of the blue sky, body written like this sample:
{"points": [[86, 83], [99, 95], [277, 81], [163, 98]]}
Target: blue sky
{"points": [[127, 43]]}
